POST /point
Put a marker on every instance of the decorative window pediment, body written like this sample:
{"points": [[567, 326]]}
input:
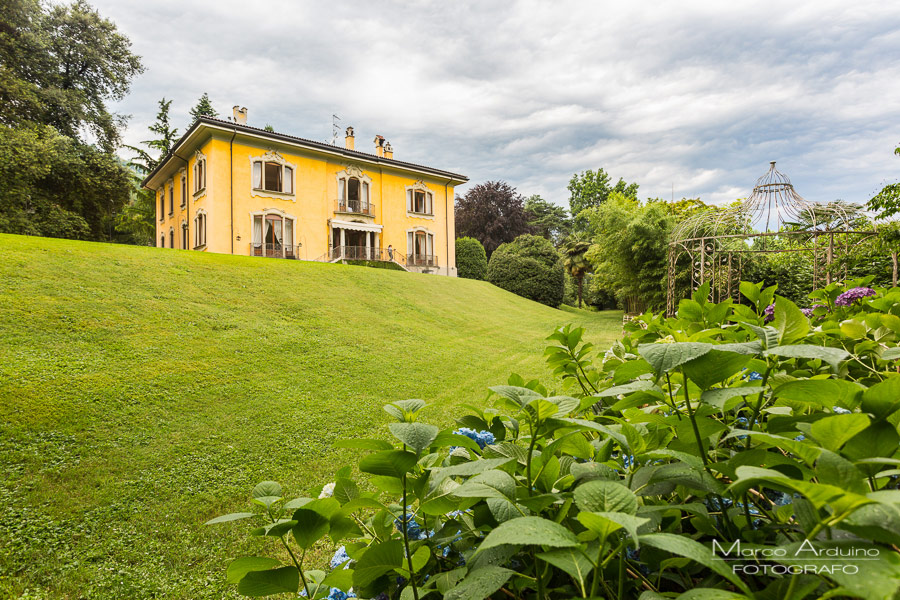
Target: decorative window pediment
{"points": [[273, 176], [419, 200], [199, 172]]}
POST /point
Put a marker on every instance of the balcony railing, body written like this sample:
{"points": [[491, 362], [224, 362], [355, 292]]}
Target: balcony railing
{"points": [[421, 260], [364, 253], [274, 250], [354, 207]]}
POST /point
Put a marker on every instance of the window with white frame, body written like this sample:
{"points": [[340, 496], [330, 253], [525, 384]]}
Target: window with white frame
{"points": [[354, 191], [184, 190], [419, 201], [271, 173], [200, 229], [273, 234], [172, 198], [420, 247], [199, 173], [162, 204]]}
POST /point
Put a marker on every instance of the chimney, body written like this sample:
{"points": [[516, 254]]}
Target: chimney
{"points": [[349, 140], [388, 151], [379, 145], [240, 114]]}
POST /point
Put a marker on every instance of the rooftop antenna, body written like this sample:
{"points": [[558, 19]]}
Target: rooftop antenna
{"points": [[335, 129]]}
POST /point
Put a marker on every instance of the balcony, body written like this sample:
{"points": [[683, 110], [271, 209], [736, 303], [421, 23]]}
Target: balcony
{"points": [[421, 260], [275, 250], [354, 207]]}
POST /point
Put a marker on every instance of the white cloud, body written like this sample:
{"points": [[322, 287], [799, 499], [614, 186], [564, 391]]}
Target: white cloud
{"points": [[696, 94]]}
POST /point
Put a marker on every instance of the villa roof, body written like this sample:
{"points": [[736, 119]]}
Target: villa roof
{"points": [[210, 122]]}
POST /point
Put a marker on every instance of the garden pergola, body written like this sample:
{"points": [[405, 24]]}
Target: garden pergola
{"points": [[717, 242]]}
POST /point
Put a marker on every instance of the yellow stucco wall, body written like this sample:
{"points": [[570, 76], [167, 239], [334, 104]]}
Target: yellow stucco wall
{"points": [[229, 201]]}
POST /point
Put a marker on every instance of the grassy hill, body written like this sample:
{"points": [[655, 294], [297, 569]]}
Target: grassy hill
{"points": [[143, 391]]}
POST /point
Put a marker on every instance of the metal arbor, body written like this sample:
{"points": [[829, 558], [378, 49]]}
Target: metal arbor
{"points": [[714, 245]]}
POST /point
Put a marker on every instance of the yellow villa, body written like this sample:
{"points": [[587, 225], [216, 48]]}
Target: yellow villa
{"points": [[231, 188]]}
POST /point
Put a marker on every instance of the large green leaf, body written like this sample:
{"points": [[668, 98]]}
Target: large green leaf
{"points": [[832, 356], [266, 583], [393, 463], [821, 392], [466, 469], [685, 546], [480, 583], [791, 323], [267, 489], [883, 398], [635, 386], [417, 436], [710, 594], [241, 566], [230, 517], [713, 367], [490, 484], [605, 496], [310, 528], [527, 531], [404, 410], [834, 469], [719, 396], [573, 562], [631, 523], [665, 357], [835, 431], [519, 396], [377, 560]]}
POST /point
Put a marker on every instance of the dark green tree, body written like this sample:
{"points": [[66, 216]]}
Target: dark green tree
{"points": [[531, 267], [203, 108], [471, 259], [547, 219], [159, 146], [573, 251], [591, 189], [492, 212], [887, 202]]}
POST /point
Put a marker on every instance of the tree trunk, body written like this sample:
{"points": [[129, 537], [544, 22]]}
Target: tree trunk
{"points": [[894, 260], [581, 279]]}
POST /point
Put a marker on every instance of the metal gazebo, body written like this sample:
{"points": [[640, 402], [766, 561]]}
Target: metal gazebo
{"points": [[713, 245]]}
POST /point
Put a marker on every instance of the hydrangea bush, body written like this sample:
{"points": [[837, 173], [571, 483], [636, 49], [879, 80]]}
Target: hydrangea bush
{"points": [[712, 455]]}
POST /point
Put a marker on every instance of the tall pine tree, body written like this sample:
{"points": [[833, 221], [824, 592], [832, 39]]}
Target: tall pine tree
{"points": [[203, 108]]}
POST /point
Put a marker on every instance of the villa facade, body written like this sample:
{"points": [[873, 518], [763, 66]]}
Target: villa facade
{"points": [[230, 188]]}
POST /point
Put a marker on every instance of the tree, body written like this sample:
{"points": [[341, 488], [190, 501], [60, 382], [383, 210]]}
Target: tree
{"points": [[591, 189], [530, 267], [60, 67], [492, 212], [167, 136], [203, 108], [630, 250], [471, 259], [887, 202], [547, 219], [574, 261]]}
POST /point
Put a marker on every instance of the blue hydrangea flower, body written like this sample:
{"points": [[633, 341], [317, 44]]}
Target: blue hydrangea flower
{"points": [[840, 411], [754, 376], [340, 558], [800, 438], [336, 594], [414, 531], [854, 294], [482, 438]]}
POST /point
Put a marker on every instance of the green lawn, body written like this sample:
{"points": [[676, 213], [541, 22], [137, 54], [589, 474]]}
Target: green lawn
{"points": [[143, 391]]}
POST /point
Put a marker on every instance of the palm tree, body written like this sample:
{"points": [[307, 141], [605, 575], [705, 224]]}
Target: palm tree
{"points": [[573, 250]]}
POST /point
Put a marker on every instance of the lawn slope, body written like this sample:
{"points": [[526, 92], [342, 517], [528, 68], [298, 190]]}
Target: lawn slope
{"points": [[143, 391]]}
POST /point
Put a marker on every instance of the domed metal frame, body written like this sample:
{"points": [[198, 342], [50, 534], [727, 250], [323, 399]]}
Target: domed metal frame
{"points": [[716, 242]]}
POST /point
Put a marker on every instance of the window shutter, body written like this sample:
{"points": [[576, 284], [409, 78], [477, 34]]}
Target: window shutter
{"points": [[409, 200], [428, 206], [203, 173], [288, 180], [409, 243], [341, 185]]}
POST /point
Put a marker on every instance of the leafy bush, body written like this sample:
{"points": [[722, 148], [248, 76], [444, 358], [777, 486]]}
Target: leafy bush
{"points": [[531, 267], [471, 259], [712, 435]]}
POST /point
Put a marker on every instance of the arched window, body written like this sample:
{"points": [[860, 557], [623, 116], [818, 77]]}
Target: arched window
{"points": [[184, 235], [353, 192], [200, 229], [162, 204], [420, 248], [171, 237], [273, 235], [162, 241], [199, 172], [419, 200]]}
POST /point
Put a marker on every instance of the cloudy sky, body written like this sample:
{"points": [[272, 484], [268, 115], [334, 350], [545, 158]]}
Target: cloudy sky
{"points": [[695, 95]]}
